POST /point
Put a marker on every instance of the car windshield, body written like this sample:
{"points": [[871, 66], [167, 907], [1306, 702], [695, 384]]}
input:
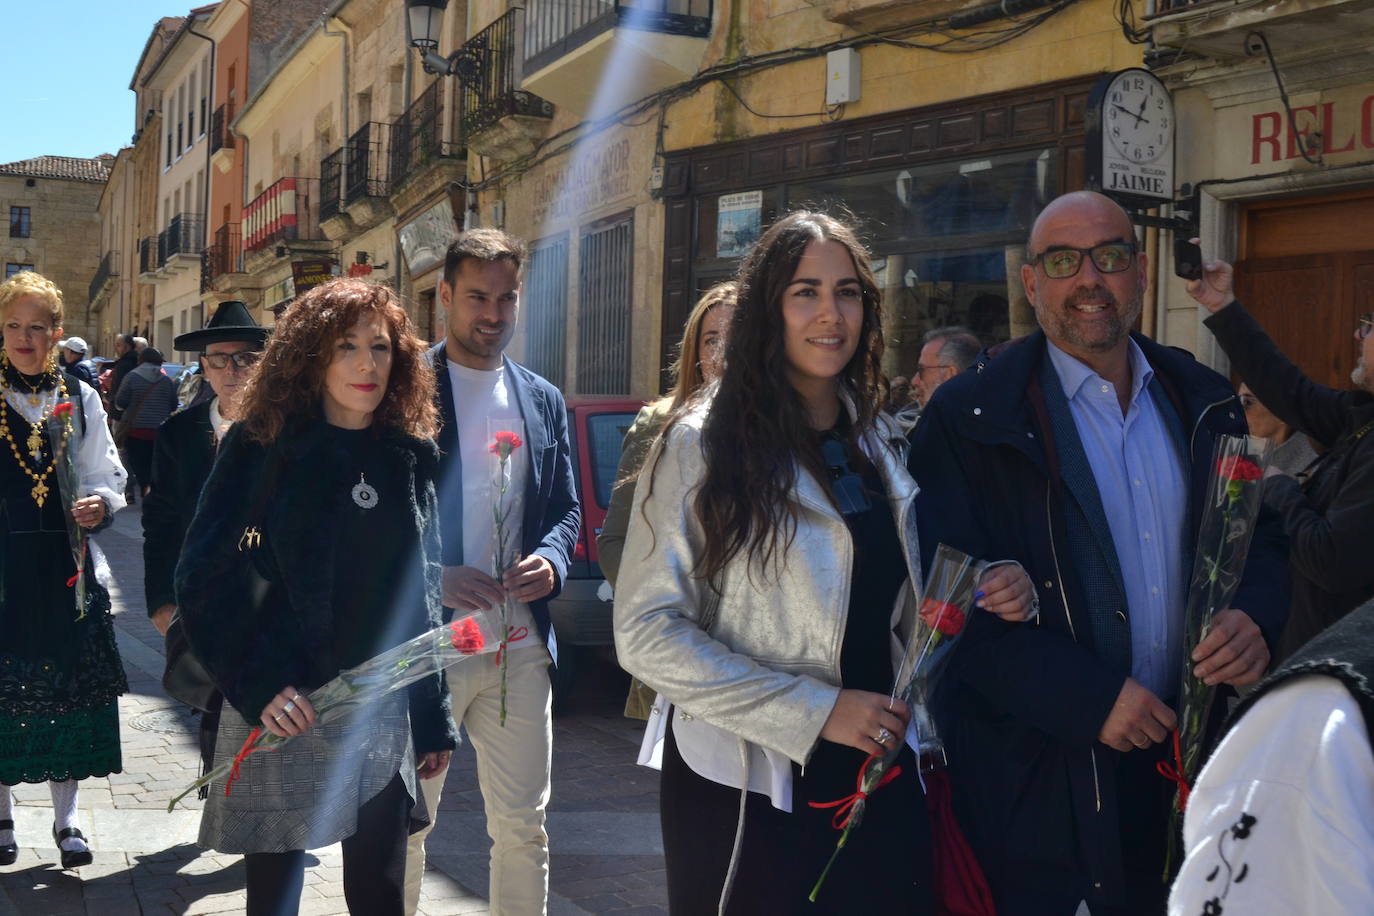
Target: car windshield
{"points": [[606, 435]]}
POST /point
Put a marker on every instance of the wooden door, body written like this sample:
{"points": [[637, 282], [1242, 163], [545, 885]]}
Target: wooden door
{"points": [[1307, 275]]}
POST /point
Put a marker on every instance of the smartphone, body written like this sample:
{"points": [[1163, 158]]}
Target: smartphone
{"points": [[1187, 259]]}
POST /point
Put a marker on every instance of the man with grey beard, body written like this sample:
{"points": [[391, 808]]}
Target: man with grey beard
{"points": [[1328, 511]]}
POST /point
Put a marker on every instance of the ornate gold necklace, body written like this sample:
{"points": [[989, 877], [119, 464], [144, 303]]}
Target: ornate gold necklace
{"points": [[34, 442]]}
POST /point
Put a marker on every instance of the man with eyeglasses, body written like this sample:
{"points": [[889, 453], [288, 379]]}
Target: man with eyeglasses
{"points": [[946, 353], [1081, 451], [1329, 517]]}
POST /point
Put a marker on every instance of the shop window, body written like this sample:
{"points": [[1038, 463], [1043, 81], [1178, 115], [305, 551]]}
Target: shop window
{"points": [[545, 308], [19, 223], [605, 273]]}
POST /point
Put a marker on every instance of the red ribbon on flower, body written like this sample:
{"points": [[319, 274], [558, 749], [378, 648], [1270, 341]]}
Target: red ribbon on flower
{"points": [[241, 756], [71, 583], [845, 805], [514, 634], [1174, 773], [467, 636], [1238, 468]]}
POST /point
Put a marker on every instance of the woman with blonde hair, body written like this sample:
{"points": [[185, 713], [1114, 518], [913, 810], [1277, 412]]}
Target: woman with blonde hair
{"points": [[314, 548], [62, 677]]}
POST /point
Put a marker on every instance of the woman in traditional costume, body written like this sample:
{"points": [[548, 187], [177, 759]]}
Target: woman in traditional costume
{"points": [[60, 477]]}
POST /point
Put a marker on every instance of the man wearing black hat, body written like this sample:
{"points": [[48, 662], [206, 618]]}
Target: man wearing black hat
{"points": [[230, 344]]}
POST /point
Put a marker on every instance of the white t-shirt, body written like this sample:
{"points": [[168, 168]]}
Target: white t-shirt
{"points": [[484, 404], [1281, 821]]}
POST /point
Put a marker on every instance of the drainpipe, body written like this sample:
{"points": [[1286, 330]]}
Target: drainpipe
{"points": [[209, 94], [407, 86], [344, 33]]}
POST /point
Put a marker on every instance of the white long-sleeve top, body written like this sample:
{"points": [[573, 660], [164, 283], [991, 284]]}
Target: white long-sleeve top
{"points": [[1281, 820], [97, 460]]}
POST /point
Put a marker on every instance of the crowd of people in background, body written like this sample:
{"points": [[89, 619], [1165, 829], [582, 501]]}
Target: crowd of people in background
{"points": [[328, 494]]}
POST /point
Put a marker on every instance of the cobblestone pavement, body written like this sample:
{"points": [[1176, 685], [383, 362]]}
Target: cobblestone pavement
{"points": [[603, 821]]}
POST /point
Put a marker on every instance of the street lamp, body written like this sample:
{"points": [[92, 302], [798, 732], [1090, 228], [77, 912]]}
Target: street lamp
{"points": [[426, 16]]}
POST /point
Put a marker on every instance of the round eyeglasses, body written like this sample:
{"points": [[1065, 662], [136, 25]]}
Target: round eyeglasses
{"points": [[244, 359]]}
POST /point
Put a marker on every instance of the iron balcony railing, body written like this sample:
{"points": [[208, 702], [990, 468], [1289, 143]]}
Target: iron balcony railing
{"points": [[331, 183], [555, 27], [496, 93], [289, 210], [220, 137], [148, 260], [418, 136], [109, 267], [367, 172], [185, 234], [224, 255]]}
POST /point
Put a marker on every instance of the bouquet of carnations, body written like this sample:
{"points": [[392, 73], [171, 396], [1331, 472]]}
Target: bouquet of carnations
{"points": [[66, 442], [942, 613], [394, 669], [1228, 521]]}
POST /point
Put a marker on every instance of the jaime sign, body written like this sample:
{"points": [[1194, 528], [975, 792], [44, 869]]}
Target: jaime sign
{"points": [[1131, 138]]}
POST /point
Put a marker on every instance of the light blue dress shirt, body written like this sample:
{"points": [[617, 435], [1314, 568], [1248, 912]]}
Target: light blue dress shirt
{"points": [[1140, 477]]}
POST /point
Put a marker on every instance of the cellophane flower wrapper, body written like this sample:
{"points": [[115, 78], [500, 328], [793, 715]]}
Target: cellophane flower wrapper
{"points": [[356, 688], [942, 613], [1226, 526], [505, 438], [65, 439]]}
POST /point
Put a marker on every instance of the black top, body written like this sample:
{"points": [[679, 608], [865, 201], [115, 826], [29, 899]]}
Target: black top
{"points": [[375, 548]]}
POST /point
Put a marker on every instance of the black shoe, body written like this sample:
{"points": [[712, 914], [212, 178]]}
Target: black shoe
{"points": [[74, 859], [9, 852]]}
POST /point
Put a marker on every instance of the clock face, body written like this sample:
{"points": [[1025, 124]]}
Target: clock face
{"points": [[1138, 117]]}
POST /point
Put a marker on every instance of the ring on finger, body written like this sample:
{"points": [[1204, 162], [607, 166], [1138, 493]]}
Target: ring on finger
{"points": [[276, 717], [290, 705], [883, 736]]}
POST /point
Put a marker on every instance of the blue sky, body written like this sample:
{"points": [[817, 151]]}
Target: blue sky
{"points": [[66, 68]]}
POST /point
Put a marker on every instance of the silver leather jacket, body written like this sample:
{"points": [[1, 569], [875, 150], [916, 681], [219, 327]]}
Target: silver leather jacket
{"points": [[758, 656]]}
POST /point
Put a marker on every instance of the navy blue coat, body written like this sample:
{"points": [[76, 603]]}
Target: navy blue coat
{"points": [[1022, 704], [552, 516]]}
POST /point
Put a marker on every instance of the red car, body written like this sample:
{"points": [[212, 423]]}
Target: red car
{"points": [[581, 616]]}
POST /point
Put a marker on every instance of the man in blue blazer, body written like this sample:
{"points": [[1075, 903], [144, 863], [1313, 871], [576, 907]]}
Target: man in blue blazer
{"points": [[1082, 451], [481, 395]]}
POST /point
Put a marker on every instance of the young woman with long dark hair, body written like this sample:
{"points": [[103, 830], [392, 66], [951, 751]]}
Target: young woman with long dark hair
{"points": [[314, 548], [769, 572]]}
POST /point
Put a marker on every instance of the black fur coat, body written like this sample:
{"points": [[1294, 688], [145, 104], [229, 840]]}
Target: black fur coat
{"points": [[256, 619]]}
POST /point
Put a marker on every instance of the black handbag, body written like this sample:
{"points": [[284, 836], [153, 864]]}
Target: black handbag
{"points": [[184, 678]]}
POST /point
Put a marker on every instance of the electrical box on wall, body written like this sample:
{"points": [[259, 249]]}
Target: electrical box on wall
{"points": [[842, 76]]}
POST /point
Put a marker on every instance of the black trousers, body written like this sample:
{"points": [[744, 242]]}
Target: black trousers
{"points": [[884, 868], [374, 863]]}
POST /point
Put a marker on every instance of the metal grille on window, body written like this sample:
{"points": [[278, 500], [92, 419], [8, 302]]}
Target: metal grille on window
{"points": [[545, 309], [605, 271]]}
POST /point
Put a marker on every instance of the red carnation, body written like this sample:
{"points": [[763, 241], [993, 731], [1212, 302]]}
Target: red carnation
{"points": [[942, 616], [1237, 468], [505, 443], [467, 636], [63, 410]]}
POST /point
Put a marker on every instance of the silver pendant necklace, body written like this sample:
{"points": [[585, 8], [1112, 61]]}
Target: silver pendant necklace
{"points": [[364, 496]]}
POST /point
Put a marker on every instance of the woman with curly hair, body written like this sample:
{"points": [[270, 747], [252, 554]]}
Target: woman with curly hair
{"points": [[770, 568], [60, 674], [314, 548]]}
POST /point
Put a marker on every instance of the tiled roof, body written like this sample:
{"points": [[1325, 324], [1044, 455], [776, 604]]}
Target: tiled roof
{"points": [[68, 167]]}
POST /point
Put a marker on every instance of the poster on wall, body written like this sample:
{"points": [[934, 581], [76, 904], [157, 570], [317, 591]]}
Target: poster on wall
{"points": [[425, 239], [739, 223]]}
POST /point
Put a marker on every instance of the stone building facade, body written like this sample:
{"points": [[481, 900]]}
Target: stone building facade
{"points": [[54, 226]]}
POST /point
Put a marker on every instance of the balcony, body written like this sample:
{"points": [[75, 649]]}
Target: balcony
{"points": [[367, 177], [500, 119], [180, 244], [1297, 30], [148, 259], [221, 264], [594, 56], [100, 283], [423, 155], [333, 220], [221, 139], [283, 219]]}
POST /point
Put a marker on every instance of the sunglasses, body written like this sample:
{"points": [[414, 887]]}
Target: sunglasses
{"points": [[1062, 262], [846, 486], [244, 359], [1366, 325]]}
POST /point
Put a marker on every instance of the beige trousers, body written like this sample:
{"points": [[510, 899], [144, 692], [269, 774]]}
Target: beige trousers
{"points": [[512, 772]]}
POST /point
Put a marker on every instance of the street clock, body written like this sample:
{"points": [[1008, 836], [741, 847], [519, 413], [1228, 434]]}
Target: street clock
{"points": [[1130, 143]]}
